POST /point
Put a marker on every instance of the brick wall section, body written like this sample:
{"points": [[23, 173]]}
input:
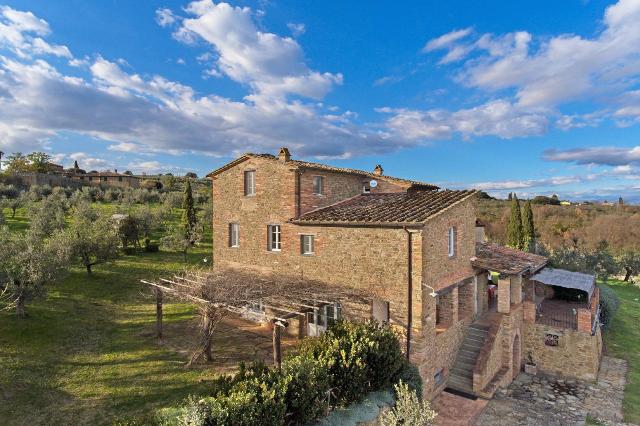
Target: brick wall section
{"points": [[529, 312], [577, 354], [337, 187], [466, 302], [516, 290], [595, 301], [584, 320], [483, 297], [504, 295]]}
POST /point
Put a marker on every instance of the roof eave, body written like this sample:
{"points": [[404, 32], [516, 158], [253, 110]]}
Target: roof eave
{"points": [[358, 224]]}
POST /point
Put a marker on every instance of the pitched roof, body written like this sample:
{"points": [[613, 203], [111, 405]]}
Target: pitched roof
{"points": [[319, 166], [395, 209], [494, 257]]}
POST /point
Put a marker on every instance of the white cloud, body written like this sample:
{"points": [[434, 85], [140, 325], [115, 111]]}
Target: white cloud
{"points": [[20, 32], [296, 29], [446, 40], [497, 118], [165, 17], [530, 183], [271, 65], [559, 69], [608, 155]]}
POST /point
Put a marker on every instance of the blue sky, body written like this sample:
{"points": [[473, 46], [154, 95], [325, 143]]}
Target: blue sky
{"points": [[533, 97]]}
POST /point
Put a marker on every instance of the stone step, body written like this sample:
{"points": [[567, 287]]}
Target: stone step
{"points": [[471, 346], [460, 383], [460, 372], [476, 340], [465, 363], [484, 328]]}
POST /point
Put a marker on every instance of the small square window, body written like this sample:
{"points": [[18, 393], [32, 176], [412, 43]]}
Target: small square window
{"points": [[438, 376], [551, 339], [318, 185], [366, 187], [234, 235], [307, 244], [250, 182], [452, 241], [274, 236]]}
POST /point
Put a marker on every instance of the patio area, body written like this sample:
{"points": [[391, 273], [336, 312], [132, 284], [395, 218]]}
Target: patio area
{"points": [[559, 313]]}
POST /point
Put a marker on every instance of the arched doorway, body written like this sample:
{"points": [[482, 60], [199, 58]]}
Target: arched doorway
{"points": [[517, 356]]}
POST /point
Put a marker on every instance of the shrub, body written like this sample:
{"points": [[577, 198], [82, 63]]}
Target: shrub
{"points": [[609, 304], [409, 410], [410, 375], [347, 362]]}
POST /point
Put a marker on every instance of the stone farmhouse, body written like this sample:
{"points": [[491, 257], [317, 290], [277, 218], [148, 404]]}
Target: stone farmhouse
{"points": [[470, 313]]}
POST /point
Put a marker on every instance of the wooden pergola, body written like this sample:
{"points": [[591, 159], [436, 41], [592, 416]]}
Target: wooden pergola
{"points": [[259, 297]]}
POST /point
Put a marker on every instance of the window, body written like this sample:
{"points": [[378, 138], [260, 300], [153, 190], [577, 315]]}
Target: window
{"points": [[322, 318], [119, 178], [318, 185], [234, 235], [380, 310], [438, 376], [90, 178], [250, 182], [452, 241], [275, 243], [366, 187], [104, 178], [307, 244]]}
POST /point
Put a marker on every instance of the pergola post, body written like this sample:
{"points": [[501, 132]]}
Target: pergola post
{"points": [[158, 313], [277, 343]]}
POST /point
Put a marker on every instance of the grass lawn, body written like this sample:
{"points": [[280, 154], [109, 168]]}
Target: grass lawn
{"points": [[623, 341], [87, 354]]}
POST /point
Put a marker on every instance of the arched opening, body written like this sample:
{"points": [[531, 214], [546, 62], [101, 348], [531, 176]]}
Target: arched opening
{"points": [[516, 356]]}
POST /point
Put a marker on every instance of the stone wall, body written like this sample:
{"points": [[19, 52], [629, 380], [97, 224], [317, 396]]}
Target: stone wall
{"points": [[53, 180], [368, 258], [336, 187], [577, 354]]}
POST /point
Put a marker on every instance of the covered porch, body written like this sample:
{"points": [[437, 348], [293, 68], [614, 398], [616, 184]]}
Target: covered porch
{"points": [[563, 299]]}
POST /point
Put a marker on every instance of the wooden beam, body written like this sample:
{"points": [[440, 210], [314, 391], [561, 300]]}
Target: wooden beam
{"points": [[277, 343]]}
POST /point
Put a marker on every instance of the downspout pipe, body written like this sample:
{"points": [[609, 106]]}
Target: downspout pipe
{"points": [[409, 287]]}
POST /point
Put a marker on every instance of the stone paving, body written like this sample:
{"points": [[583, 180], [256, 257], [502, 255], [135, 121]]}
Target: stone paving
{"points": [[547, 400]]}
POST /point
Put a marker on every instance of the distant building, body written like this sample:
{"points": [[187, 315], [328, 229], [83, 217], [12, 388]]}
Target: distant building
{"points": [[107, 179], [565, 203]]}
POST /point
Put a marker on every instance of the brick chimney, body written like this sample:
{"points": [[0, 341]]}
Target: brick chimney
{"points": [[284, 154], [378, 170]]}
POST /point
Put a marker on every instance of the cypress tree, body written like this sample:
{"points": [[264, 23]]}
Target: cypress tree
{"points": [[514, 228], [188, 211], [528, 228]]}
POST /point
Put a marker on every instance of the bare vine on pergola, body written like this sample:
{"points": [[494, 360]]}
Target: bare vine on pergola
{"points": [[218, 293]]}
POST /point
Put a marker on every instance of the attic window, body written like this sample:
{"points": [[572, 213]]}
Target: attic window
{"points": [[318, 185], [250, 183], [366, 187], [452, 241]]}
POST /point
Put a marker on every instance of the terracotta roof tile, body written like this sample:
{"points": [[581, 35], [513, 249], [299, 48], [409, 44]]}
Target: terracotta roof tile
{"points": [[508, 261], [411, 207]]}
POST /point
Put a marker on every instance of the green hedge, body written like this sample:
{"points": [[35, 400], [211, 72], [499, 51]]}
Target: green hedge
{"points": [[337, 369], [609, 304]]}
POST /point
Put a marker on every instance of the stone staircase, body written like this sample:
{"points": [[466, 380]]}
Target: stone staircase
{"points": [[461, 374]]}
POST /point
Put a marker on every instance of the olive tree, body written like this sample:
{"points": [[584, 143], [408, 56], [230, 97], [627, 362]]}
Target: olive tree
{"points": [[180, 239], [29, 262], [92, 237]]}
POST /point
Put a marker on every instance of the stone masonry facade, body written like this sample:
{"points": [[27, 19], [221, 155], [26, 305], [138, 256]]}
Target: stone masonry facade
{"points": [[448, 293]]}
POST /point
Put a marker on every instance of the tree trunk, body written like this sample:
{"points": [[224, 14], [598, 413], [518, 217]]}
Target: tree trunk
{"points": [[20, 306], [277, 346], [158, 313], [88, 269], [13, 213], [627, 273], [208, 339]]}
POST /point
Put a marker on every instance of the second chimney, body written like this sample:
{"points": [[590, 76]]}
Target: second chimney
{"points": [[284, 154], [378, 170]]}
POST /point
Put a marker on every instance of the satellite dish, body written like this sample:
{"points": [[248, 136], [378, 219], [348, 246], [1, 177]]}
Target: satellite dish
{"points": [[373, 183]]}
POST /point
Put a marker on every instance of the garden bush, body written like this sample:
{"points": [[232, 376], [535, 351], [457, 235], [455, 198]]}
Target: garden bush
{"points": [[609, 304], [339, 368]]}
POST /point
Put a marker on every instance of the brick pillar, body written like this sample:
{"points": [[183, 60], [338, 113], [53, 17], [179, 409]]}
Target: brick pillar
{"points": [[483, 298], [504, 295], [454, 303], [595, 300], [516, 289], [529, 311], [584, 320], [529, 289]]}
